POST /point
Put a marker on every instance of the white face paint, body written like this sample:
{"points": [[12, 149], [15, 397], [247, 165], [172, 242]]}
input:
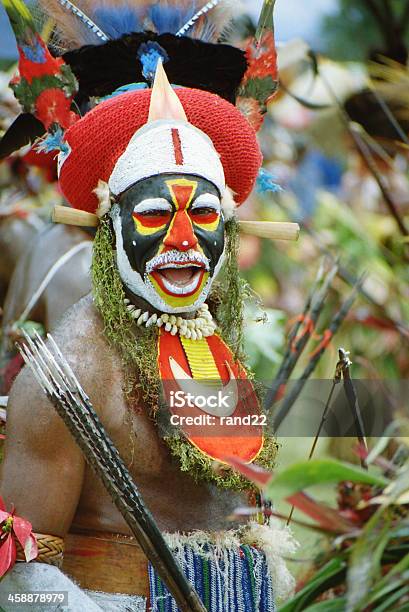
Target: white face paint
{"points": [[207, 200]]}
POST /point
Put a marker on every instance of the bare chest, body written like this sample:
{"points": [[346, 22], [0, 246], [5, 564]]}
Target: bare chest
{"points": [[176, 501]]}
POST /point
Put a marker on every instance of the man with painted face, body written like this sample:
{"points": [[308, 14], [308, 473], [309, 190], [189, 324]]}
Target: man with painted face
{"points": [[159, 169]]}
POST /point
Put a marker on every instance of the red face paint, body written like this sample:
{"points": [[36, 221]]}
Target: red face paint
{"points": [[180, 235]]}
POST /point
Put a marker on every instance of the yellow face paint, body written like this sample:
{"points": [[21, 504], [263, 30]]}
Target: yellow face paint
{"points": [[177, 301]]}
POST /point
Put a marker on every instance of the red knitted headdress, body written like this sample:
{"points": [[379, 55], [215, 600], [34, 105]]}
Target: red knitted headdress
{"points": [[100, 138], [99, 59]]}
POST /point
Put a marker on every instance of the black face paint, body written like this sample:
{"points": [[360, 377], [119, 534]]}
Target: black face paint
{"points": [[170, 240], [144, 238]]}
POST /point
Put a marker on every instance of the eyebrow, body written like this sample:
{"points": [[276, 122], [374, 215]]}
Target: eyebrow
{"points": [[152, 204], [208, 199]]}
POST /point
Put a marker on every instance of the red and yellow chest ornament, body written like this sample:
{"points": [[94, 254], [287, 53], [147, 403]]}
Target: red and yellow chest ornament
{"points": [[209, 397]]}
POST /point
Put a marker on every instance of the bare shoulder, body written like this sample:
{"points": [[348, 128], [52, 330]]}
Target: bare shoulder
{"points": [[80, 336], [81, 340], [42, 471]]}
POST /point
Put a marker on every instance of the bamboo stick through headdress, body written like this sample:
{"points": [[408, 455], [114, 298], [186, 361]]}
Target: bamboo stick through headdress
{"points": [[274, 230]]}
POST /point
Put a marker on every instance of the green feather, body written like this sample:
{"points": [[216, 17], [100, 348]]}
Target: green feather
{"points": [[266, 21], [21, 21]]}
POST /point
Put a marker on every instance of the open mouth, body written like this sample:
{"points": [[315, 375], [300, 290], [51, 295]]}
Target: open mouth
{"points": [[179, 278]]}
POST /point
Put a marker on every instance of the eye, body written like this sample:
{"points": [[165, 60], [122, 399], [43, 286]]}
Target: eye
{"points": [[154, 213], [206, 206], [203, 211]]}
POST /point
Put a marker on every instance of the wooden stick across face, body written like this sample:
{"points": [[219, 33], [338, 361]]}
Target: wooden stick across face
{"points": [[273, 230]]}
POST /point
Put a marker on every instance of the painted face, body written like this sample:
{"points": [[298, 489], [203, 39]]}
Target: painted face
{"points": [[170, 240]]}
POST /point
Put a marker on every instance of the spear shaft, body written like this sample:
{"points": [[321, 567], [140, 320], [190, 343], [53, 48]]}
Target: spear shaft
{"points": [[60, 385]]}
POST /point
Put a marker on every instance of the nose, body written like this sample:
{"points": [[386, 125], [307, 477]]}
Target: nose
{"points": [[181, 235]]}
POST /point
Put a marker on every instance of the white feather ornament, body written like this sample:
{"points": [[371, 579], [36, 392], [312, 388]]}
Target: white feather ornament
{"points": [[228, 204], [104, 198]]}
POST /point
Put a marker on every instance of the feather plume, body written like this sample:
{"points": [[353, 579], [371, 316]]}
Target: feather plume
{"points": [[24, 130], [74, 19], [69, 31], [84, 19], [102, 69]]}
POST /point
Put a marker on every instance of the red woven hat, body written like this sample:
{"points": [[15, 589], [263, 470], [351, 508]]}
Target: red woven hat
{"points": [[99, 139]]}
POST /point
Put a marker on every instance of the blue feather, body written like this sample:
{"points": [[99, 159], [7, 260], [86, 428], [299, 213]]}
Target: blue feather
{"points": [[170, 19], [116, 21], [266, 182], [53, 142], [149, 54]]}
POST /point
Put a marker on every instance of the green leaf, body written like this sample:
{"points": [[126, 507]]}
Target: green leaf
{"points": [[302, 475], [332, 574], [400, 568], [389, 588], [394, 598], [365, 560], [332, 605]]}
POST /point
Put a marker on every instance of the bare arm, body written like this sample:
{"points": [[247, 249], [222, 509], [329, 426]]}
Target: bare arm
{"points": [[43, 469]]}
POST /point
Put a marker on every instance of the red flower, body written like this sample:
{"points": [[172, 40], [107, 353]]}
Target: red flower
{"points": [[12, 527], [52, 106]]}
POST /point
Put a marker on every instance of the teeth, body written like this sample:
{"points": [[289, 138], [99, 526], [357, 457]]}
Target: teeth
{"points": [[178, 267], [126, 301], [196, 329], [152, 320]]}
